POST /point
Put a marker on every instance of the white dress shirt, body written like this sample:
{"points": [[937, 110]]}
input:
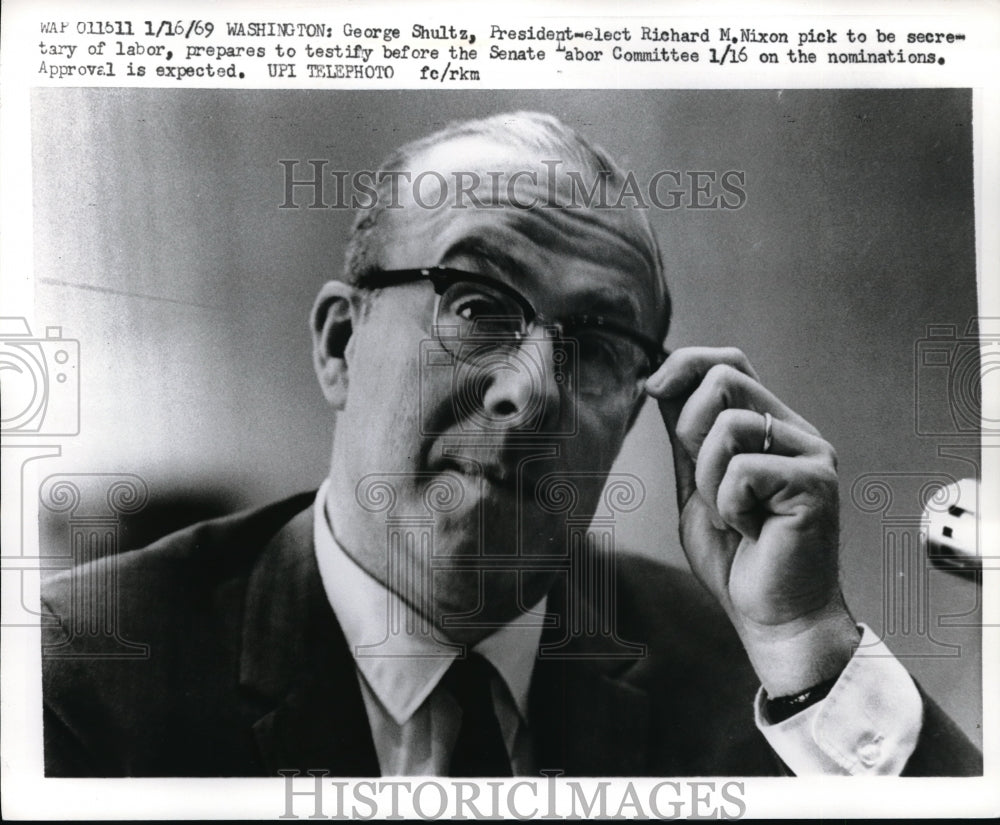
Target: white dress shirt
{"points": [[414, 726], [867, 724]]}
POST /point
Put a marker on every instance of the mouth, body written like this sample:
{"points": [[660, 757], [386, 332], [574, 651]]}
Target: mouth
{"points": [[497, 466], [497, 475]]}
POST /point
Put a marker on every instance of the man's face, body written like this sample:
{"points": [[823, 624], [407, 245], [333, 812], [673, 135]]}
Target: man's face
{"points": [[479, 455]]}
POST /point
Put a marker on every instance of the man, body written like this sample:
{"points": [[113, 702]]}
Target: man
{"points": [[436, 608]]}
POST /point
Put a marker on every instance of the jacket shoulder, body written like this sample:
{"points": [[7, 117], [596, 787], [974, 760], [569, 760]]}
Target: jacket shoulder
{"points": [[695, 672], [671, 605], [148, 648], [199, 555]]}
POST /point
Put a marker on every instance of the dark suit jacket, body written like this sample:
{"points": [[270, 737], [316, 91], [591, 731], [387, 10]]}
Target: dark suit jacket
{"points": [[248, 672]]}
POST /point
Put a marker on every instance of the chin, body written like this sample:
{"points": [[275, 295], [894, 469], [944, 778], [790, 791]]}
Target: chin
{"points": [[469, 604]]}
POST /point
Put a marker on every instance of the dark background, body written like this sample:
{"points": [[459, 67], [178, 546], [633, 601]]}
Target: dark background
{"points": [[160, 246]]}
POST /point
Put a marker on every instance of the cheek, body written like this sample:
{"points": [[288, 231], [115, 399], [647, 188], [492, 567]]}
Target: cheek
{"points": [[598, 441], [383, 374]]}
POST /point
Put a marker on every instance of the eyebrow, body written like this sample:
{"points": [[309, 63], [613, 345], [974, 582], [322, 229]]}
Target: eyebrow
{"points": [[481, 249], [594, 301]]}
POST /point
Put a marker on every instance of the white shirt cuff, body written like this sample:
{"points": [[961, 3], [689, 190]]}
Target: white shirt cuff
{"points": [[867, 725]]}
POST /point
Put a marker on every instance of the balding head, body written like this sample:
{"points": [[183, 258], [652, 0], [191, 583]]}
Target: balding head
{"points": [[518, 162]]}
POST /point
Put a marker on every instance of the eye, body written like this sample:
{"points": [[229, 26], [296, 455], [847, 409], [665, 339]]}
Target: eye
{"points": [[480, 311], [605, 362], [471, 306], [598, 349]]}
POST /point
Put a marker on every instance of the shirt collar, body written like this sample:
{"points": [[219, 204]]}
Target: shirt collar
{"points": [[403, 667]]}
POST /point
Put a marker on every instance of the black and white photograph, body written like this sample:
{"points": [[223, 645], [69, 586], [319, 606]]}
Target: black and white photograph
{"points": [[502, 434]]}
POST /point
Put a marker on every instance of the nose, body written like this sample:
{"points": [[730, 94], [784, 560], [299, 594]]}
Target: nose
{"points": [[521, 386]]}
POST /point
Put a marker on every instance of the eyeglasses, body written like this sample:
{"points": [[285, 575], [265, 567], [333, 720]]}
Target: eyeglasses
{"points": [[476, 314]]}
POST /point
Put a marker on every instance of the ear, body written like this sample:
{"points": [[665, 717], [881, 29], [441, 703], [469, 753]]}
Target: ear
{"points": [[332, 323]]}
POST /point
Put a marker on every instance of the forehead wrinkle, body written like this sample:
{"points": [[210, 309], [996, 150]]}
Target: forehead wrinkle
{"points": [[529, 243], [619, 225], [584, 232], [555, 231]]}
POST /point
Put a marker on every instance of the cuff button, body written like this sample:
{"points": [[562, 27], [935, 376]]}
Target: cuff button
{"points": [[869, 754]]}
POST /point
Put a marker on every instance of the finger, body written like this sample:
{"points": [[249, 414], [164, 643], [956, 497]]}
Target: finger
{"points": [[757, 487], [676, 378], [725, 388], [684, 467], [686, 367], [738, 431]]}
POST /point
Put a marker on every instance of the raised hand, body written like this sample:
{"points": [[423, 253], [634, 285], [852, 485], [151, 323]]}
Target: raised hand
{"points": [[759, 514]]}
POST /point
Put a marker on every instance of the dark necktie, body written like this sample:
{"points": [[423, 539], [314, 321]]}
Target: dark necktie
{"points": [[479, 749]]}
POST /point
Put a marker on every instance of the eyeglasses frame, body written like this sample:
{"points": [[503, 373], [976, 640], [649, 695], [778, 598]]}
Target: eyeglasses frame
{"points": [[441, 277]]}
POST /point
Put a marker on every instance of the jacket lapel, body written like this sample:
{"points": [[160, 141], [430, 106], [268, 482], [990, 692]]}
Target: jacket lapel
{"points": [[586, 716], [295, 657]]}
